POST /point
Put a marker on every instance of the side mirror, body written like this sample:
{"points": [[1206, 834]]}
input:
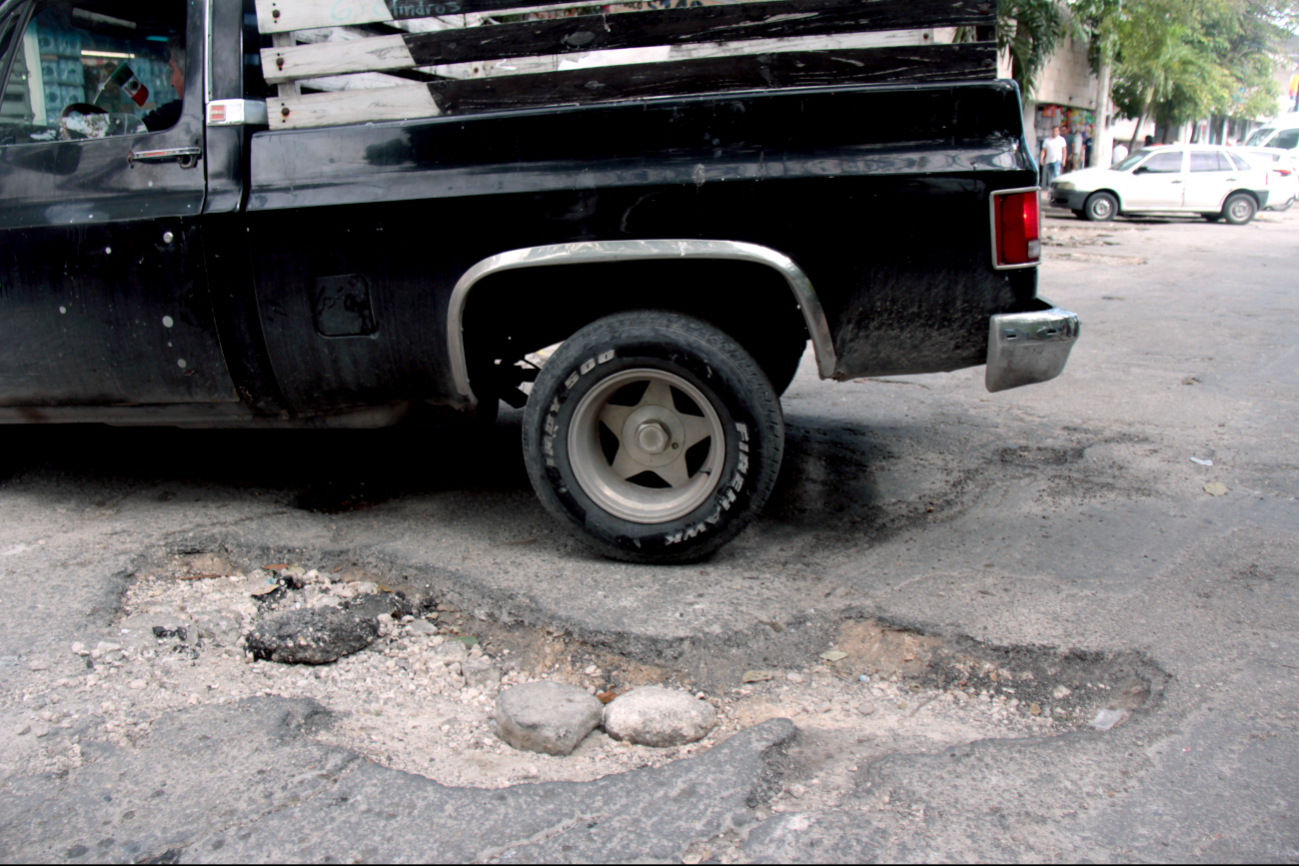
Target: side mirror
{"points": [[1142, 170]]}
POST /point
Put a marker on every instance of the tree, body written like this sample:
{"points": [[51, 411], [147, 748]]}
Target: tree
{"points": [[1165, 66], [1179, 60]]}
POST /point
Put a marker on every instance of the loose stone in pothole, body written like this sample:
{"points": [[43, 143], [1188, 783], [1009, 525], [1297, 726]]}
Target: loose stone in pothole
{"points": [[546, 717], [313, 637], [317, 636], [653, 716]]}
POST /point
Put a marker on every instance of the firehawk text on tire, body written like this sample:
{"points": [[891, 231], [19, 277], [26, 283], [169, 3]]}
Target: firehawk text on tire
{"points": [[653, 435]]}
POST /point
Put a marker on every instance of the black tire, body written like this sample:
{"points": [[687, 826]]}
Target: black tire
{"points": [[576, 460], [1101, 207], [1239, 208], [781, 363]]}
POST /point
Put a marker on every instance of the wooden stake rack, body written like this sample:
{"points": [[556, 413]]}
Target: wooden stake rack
{"points": [[440, 57]]}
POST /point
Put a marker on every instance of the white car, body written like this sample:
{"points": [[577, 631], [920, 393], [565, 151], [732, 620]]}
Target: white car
{"points": [[1281, 133], [1205, 179], [1282, 170]]}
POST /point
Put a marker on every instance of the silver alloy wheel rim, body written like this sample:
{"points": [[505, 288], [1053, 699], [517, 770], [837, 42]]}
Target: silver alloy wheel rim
{"points": [[653, 436], [1239, 209], [1101, 208]]}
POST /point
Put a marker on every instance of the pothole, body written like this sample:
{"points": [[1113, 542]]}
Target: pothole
{"points": [[420, 698]]}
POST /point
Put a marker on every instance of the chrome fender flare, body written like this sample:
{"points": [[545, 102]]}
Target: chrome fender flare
{"points": [[587, 252]]}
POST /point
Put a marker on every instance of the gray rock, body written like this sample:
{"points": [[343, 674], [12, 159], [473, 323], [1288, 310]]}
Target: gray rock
{"points": [[313, 637], [654, 716], [422, 626], [546, 717], [480, 673]]}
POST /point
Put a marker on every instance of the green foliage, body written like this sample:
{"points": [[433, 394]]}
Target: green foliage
{"points": [[1165, 65], [1178, 60]]}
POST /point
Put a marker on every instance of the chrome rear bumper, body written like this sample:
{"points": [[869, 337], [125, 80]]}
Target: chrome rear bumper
{"points": [[1024, 348]]}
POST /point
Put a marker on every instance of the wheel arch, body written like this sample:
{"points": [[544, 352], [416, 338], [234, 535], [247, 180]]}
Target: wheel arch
{"points": [[619, 252], [1118, 198], [1242, 191]]}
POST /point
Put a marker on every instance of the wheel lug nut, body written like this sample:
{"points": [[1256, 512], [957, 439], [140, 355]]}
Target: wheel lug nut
{"points": [[652, 437]]}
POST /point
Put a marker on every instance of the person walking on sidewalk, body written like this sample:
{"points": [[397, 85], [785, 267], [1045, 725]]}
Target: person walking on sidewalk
{"points": [[1052, 155]]}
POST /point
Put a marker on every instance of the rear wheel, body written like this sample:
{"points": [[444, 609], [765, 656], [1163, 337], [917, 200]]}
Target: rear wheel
{"points": [[1239, 209], [653, 435], [1101, 207]]}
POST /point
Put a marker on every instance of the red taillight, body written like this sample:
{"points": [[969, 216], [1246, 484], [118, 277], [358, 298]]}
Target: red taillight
{"points": [[1284, 172], [1017, 226]]}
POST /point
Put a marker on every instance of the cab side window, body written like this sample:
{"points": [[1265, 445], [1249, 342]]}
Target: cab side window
{"points": [[90, 70], [1287, 139]]}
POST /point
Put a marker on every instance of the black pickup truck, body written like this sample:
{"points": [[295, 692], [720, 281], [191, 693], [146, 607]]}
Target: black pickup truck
{"points": [[323, 213]]}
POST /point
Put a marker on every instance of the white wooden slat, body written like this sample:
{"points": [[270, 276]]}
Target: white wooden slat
{"points": [[284, 41], [308, 14], [379, 53], [355, 81], [353, 106], [374, 54], [620, 56], [406, 101]]}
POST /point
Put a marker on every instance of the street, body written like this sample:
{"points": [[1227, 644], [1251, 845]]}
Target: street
{"points": [[994, 577]]}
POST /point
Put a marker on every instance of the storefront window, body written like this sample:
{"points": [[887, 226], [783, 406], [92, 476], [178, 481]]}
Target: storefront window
{"points": [[1076, 126]]}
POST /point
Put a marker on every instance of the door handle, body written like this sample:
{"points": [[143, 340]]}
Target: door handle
{"points": [[188, 157], [1176, 181], [1231, 180]]}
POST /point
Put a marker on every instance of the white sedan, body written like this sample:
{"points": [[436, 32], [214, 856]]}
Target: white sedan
{"points": [[1282, 174], [1194, 178]]}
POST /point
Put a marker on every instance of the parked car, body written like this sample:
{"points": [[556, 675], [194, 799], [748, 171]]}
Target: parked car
{"points": [[1283, 174], [1206, 179], [1281, 133]]}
